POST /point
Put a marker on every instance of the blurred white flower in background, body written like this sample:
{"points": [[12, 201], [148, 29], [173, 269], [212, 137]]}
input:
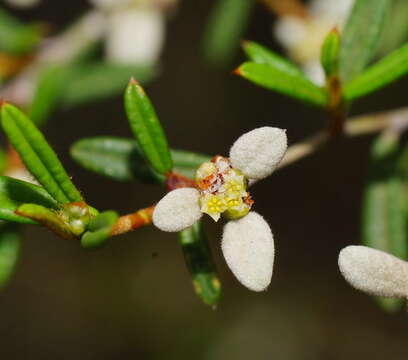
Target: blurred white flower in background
{"points": [[302, 37], [135, 29], [247, 242], [22, 3]]}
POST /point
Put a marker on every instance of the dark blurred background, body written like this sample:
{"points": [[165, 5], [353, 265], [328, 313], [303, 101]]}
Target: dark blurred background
{"points": [[133, 299]]}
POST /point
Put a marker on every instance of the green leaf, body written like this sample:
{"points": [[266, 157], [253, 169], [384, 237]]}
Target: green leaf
{"points": [[99, 230], [117, 158], [329, 56], [9, 251], [395, 31], [37, 155], [262, 55], [147, 129], [226, 25], [50, 84], [3, 161], [197, 255], [14, 193], [282, 80], [91, 82], [385, 204], [121, 159], [49, 218], [384, 72], [361, 36], [16, 37]]}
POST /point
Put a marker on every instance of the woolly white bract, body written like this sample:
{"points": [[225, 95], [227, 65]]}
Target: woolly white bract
{"points": [[248, 248], [374, 271], [178, 210], [247, 242]]}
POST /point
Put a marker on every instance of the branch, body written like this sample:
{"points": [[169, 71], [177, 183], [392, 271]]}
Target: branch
{"points": [[356, 126]]}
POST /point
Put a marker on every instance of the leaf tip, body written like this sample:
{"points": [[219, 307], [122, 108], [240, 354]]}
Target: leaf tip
{"points": [[237, 71], [133, 81]]}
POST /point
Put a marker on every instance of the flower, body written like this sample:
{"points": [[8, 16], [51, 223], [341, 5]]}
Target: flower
{"points": [[302, 37], [135, 30], [374, 271], [222, 190]]}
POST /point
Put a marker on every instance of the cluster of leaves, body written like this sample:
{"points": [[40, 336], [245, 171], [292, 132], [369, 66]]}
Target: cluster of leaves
{"points": [[345, 59], [58, 205]]}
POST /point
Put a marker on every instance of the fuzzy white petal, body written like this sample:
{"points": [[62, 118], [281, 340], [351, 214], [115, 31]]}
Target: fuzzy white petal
{"points": [[178, 210], [136, 36], [248, 248], [374, 271], [258, 152]]}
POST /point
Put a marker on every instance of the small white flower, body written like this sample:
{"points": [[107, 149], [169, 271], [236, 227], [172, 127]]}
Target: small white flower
{"points": [[135, 31], [374, 271], [247, 242], [302, 38]]}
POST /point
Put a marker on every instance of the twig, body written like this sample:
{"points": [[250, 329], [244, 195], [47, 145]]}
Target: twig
{"points": [[360, 125]]}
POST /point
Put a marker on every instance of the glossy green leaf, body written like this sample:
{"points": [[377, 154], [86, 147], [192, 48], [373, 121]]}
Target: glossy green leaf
{"points": [[99, 230], [91, 82], [390, 68], [147, 129], [121, 159], [361, 36], [9, 251], [49, 218], [278, 78], [385, 204], [37, 155], [262, 55], [16, 37], [14, 193], [200, 264], [49, 88], [226, 25], [329, 56]]}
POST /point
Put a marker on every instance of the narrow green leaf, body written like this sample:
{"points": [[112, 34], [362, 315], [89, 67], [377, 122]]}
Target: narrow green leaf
{"points": [[197, 255], [121, 159], [226, 25], [262, 55], [9, 251], [385, 204], [99, 230], [50, 84], [389, 69], [16, 37], [3, 161], [14, 193], [48, 218], [283, 81], [37, 155], [147, 129], [361, 36], [395, 31], [91, 82], [329, 56]]}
